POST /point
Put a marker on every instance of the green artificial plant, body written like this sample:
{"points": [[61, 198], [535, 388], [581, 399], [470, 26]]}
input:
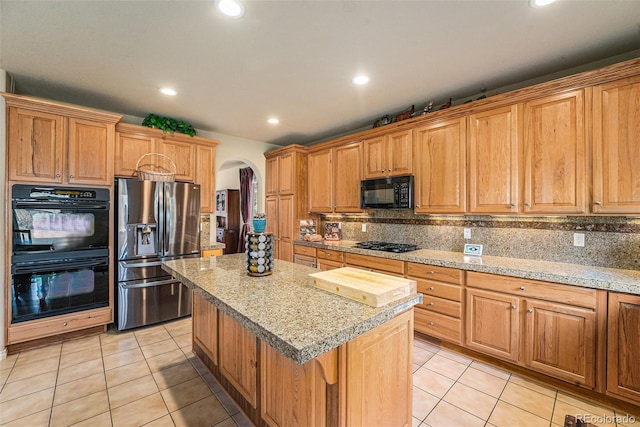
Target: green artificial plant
{"points": [[167, 124]]}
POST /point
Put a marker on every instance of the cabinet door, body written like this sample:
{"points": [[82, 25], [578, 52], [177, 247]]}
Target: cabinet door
{"points": [[271, 172], [205, 176], [90, 152], [492, 323], [205, 326], [183, 155], [320, 182], [347, 177], [560, 341], [35, 146], [379, 376], [623, 369], [555, 156], [375, 154], [285, 228], [399, 153], [129, 149], [616, 143], [239, 357], [493, 161], [440, 167], [271, 209], [286, 173]]}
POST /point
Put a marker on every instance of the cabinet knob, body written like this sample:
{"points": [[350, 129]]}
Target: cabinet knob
{"points": [[430, 323], [57, 175], [382, 171], [417, 206], [527, 204], [70, 176], [431, 272], [513, 307], [64, 323], [530, 310], [388, 170], [522, 288], [598, 203], [512, 205], [430, 288], [431, 303]]}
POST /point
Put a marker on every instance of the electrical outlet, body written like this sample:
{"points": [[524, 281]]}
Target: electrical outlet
{"points": [[578, 239], [467, 233], [364, 228]]}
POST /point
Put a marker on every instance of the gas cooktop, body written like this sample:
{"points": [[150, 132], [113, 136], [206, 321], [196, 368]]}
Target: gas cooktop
{"points": [[385, 246]]}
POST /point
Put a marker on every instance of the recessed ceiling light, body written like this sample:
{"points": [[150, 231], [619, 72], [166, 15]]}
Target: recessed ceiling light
{"points": [[540, 3], [273, 121], [232, 8], [167, 91], [361, 79]]}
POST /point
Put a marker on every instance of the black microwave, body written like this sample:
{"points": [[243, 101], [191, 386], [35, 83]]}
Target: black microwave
{"points": [[395, 192]]}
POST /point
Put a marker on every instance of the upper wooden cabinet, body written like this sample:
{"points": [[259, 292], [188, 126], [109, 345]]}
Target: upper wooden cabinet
{"points": [[493, 161], [286, 202], [616, 147], [334, 179], [555, 154], [56, 143], [388, 155], [440, 164], [194, 157]]}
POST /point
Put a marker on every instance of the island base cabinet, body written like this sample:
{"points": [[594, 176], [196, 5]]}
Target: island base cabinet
{"points": [[623, 366], [376, 375], [205, 326]]}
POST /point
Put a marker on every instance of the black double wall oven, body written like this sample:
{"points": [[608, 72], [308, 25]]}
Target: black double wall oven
{"points": [[60, 250]]}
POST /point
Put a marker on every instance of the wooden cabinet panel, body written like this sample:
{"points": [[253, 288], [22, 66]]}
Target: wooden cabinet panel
{"points": [[320, 181], [388, 155], [493, 161], [271, 209], [382, 265], [286, 176], [330, 255], [433, 272], [555, 154], [440, 290], [440, 164], [379, 366], [129, 149], [346, 178], [438, 325], [271, 179], [616, 147], [493, 323], [325, 265], [239, 357], [440, 305], [623, 369], [304, 250], [90, 152], [205, 326], [375, 157], [183, 155], [35, 145], [205, 176], [560, 341]]}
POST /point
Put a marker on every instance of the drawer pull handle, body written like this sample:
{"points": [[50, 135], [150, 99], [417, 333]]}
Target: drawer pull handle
{"points": [[431, 303], [522, 288], [431, 324], [64, 323], [529, 311], [431, 272], [430, 288]]}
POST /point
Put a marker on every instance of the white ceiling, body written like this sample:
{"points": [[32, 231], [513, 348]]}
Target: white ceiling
{"points": [[295, 59]]}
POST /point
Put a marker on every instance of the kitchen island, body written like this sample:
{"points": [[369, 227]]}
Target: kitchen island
{"points": [[291, 354]]}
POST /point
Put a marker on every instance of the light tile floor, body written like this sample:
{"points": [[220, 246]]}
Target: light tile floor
{"points": [[149, 377]]}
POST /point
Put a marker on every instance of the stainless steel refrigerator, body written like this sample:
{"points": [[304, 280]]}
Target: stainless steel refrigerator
{"points": [[156, 221]]}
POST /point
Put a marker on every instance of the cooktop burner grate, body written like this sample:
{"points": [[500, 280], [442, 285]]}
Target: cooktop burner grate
{"points": [[386, 246]]}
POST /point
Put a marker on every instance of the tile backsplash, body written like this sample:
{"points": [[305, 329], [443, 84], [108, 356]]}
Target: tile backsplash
{"points": [[609, 241]]}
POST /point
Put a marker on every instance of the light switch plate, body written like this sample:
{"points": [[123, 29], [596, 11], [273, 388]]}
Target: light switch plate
{"points": [[470, 249]]}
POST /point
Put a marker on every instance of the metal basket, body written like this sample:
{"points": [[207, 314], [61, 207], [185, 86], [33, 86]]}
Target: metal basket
{"points": [[151, 175]]}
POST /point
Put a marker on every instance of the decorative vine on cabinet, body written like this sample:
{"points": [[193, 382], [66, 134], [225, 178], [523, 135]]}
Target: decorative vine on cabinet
{"points": [[55, 143]]}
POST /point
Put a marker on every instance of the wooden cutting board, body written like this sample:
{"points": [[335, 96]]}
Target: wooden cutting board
{"points": [[367, 287]]}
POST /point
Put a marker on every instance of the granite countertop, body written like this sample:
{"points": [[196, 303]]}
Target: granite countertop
{"points": [[610, 279], [297, 319], [211, 245]]}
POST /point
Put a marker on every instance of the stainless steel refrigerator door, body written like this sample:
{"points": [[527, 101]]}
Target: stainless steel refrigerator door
{"points": [[144, 302], [181, 223], [137, 206]]}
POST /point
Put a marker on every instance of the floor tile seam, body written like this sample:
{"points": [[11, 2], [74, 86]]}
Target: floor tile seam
{"points": [[554, 390], [194, 402], [494, 405], [446, 351], [84, 419], [489, 373], [97, 415], [464, 410], [455, 380], [555, 397], [111, 408], [526, 410], [434, 406]]}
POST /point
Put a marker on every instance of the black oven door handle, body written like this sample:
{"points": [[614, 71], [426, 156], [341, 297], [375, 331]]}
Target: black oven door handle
{"points": [[58, 205], [61, 266]]}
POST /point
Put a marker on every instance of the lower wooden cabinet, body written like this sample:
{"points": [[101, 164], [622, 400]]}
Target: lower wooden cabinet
{"points": [[239, 358], [205, 326], [623, 361]]}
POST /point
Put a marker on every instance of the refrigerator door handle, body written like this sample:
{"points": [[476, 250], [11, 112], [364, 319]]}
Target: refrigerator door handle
{"points": [[149, 284], [141, 264]]}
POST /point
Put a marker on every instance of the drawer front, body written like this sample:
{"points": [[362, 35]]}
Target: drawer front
{"points": [[304, 260], [437, 325], [432, 272], [325, 265], [304, 250], [330, 255], [376, 263], [441, 290], [442, 306], [566, 294]]}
